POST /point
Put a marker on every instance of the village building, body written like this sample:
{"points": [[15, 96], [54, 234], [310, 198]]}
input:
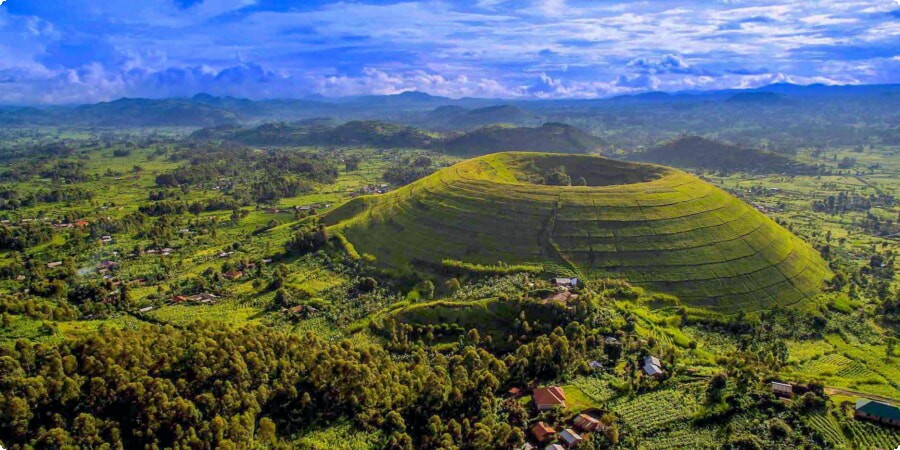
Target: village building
{"points": [[51, 265], [178, 299], [877, 412], [542, 432], [549, 397], [585, 422], [562, 297], [565, 282], [514, 392], [596, 365], [782, 389], [554, 447], [145, 309], [108, 265], [652, 366], [233, 274], [570, 438], [203, 298]]}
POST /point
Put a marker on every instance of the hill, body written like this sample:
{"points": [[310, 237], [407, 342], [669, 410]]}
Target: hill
{"points": [[458, 118], [321, 132], [145, 112], [760, 98], [551, 137], [699, 153], [654, 226], [370, 133]]}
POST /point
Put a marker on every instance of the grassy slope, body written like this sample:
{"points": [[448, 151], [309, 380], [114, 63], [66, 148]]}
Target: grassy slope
{"points": [[657, 227]]}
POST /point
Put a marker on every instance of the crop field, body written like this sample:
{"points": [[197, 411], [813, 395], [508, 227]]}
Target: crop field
{"points": [[860, 367], [596, 389], [863, 435], [658, 409], [655, 227], [684, 437]]}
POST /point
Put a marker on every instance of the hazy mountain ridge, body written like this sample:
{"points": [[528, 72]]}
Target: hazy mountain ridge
{"points": [[550, 137], [413, 108], [695, 152]]}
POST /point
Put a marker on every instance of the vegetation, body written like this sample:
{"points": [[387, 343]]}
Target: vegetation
{"points": [[175, 288], [656, 227]]}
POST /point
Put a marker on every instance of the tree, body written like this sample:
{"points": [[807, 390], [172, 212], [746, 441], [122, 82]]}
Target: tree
{"points": [[426, 288], [309, 238], [716, 385], [267, 430], [452, 285]]}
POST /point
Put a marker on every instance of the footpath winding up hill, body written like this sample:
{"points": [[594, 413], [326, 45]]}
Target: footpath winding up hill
{"points": [[655, 226]]}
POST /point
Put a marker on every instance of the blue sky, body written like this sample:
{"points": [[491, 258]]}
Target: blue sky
{"points": [[75, 51]]}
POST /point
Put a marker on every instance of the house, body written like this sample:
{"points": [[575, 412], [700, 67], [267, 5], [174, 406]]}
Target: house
{"points": [[565, 282], [586, 422], [570, 437], [596, 365], [652, 366], [202, 298], [549, 397], [53, 264], [542, 432], [233, 274], [877, 412], [295, 310], [782, 389], [561, 297]]}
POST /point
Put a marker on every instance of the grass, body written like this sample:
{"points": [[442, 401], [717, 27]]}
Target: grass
{"points": [[659, 228]]}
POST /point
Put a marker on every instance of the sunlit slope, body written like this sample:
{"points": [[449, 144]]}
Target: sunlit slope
{"points": [[656, 227]]}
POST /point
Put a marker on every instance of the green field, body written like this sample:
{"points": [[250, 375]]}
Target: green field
{"points": [[656, 227]]}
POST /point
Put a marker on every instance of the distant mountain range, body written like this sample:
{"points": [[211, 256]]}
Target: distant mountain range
{"points": [[412, 108]]}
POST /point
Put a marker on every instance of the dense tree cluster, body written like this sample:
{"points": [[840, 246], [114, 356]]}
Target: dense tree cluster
{"points": [[207, 387], [12, 199]]}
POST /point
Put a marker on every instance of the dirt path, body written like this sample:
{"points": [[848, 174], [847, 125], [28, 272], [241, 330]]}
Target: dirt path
{"points": [[839, 391]]}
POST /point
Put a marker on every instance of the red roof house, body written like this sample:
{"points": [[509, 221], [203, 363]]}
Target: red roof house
{"points": [[542, 432], [549, 397]]}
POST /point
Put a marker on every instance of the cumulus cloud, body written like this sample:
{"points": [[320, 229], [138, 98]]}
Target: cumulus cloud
{"points": [[664, 64], [498, 48], [639, 81]]}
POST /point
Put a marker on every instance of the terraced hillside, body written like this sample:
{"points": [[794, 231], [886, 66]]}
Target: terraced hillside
{"points": [[655, 226]]}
